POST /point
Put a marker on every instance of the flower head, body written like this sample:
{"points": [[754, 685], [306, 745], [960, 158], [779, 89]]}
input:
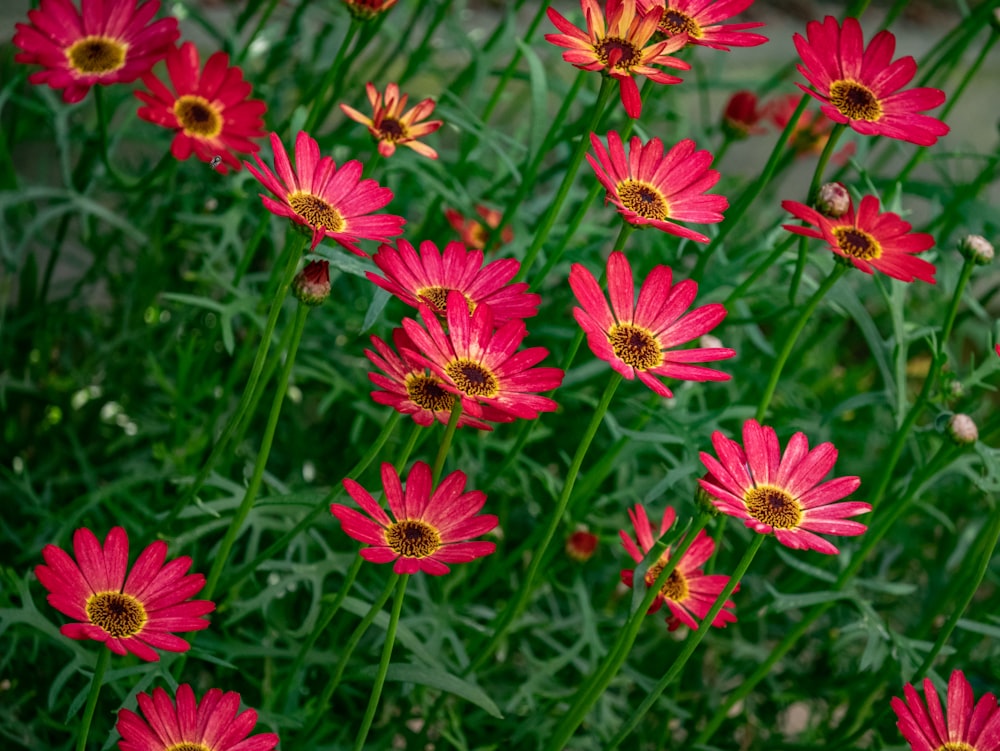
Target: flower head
{"points": [[615, 42], [636, 338], [964, 728], [781, 493], [741, 115], [390, 126], [366, 10], [208, 109], [429, 529], [427, 278], [869, 239], [811, 131], [132, 613], [109, 42], [654, 189], [332, 203], [860, 86], [688, 592], [479, 363], [182, 724], [472, 233], [581, 544], [698, 22]]}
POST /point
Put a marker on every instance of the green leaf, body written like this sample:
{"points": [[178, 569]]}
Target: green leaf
{"points": [[439, 679], [784, 602], [539, 96], [375, 308]]}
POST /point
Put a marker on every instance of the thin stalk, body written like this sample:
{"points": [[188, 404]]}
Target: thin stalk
{"points": [[332, 76], [56, 251], [411, 442], [553, 257], [383, 665], [690, 645], [745, 285], [103, 660], [508, 72], [623, 235], [449, 433], [272, 4], [399, 53], [251, 247], [418, 57], [369, 168]]}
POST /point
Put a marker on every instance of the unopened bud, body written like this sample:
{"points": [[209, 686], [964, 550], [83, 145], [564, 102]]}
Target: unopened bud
{"points": [[312, 284], [741, 115], [366, 10], [580, 545], [977, 249], [833, 200], [962, 430]]}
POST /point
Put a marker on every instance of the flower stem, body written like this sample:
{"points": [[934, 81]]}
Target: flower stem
{"points": [[404, 456], [383, 665], [103, 659], [690, 645], [793, 335], [241, 56], [449, 433], [745, 285], [333, 76]]}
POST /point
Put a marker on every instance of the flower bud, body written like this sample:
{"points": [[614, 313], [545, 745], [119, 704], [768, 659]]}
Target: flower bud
{"points": [[977, 249], [312, 284], [962, 430], [741, 116], [704, 499], [580, 545], [366, 10], [833, 200]]}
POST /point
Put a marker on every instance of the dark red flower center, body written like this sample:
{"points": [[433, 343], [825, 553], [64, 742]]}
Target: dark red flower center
{"points": [[473, 379], [412, 538], [197, 116], [674, 22], [617, 53], [855, 101], [674, 588], [635, 346], [393, 130], [425, 391], [94, 55], [857, 243], [117, 613], [773, 506], [317, 212], [643, 199]]}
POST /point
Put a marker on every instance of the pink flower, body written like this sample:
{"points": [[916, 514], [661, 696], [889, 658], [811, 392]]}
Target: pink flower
{"points": [[698, 21], [390, 126], [741, 115], [472, 234], [927, 728]]}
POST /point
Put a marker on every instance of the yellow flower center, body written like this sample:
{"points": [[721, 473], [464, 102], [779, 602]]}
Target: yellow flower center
{"points": [[393, 130], [317, 212], [117, 613], [674, 588], [673, 22], [855, 101], [956, 746], [94, 55], [473, 379], [187, 746], [437, 298], [857, 243], [627, 54], [412, 538], [635, 346], [197, 116], [425, 391], [773, 506], [644, 199]]}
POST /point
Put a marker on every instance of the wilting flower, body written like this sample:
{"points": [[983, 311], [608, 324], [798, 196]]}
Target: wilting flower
{"points": [[472, 233], [210, 111], [109, 42], [213, 723], [688, 591], [636, 338], [964, 728], [366, 10], [389, 126], [411, 390], [427, 278], [477, 361], [581, 544], [133, 614], [869, 239], [699, 21], [430, 529], [741, 115], [615, 41], [811, 131], [860, 86], [650, 188], [332, 203], [779, 493]]}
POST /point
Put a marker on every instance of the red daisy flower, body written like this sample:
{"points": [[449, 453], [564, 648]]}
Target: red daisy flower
{"points": [[472, 233], [779, 493], [698, 20], [430, 530], [636, 339], [389, 126], [108, 42], [477, 362], [966, 728], [331, 202], [210, 110], [615, 41], [860, 86], [580, 545], [688, 591], [741, 115], [132, 614], [411, 390], [869, 239], [366, 10], [181, 724], [426, 279], [650, 188], [810, 133]]}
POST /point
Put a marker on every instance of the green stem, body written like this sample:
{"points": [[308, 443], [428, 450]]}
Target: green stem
{"points": [[508, 72], [383, 665], [556, 254], [332, 77], [745, 285], [623, 235], [515, 607], [824, 159], [404, 456], [449, 433], [690, 645], [103, 659], [372, 164], [793, 335], [416, 58], [272, 4]]}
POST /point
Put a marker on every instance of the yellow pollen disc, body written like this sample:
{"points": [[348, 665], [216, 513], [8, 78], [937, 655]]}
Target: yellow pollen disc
{"points": [[393, 130], [674, 22], [425, 391], [187, 746], [412, 538], [635, 346], [956, 746], [119, 614], [643, 199], [317, 212], [94, 55], [773, 506], [472, 378], [437, 298], [630, 54], [855, 101], [674, 588], [197, 116], [857, 243]]}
